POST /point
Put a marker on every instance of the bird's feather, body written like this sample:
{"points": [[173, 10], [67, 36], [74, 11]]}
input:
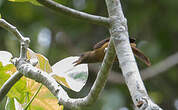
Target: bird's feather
{"points": [[101, 43]]}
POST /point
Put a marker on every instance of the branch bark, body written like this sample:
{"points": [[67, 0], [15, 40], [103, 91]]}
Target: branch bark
{"points": [[74, 13], [24, 41], [8, 84], [119, 32], [42, 77], [13, 29]]}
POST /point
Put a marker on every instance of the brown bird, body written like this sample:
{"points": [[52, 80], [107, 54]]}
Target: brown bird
{"points": [[98, 52]]}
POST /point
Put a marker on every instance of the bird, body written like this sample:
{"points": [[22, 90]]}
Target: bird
{"points": [[97, 54]]}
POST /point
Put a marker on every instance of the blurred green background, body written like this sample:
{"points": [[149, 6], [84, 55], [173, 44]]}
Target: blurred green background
{"points": [[154, 23]]}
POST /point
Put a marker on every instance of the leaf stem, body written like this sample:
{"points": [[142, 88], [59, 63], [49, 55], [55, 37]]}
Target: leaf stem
{"points": [[25, 108]]}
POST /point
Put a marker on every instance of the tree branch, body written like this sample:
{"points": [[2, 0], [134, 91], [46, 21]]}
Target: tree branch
{"points": [[24, 45], [27, 69], [160, 67], [13, 29], [119, 33], [74, 13], [8, 84], [42, 77], [149, 72]]}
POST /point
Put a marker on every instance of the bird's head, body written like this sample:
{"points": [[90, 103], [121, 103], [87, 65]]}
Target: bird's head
{"points": [[84, 58]]}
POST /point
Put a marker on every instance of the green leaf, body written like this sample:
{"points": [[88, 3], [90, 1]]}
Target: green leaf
{"points": [[13, 104], [75, 76], [10, 104], [3, 76], [19, 89], [43, 62], [27, 86], [44, 65], [45, 100], [3, 103], [0, 16], [31, 1]]}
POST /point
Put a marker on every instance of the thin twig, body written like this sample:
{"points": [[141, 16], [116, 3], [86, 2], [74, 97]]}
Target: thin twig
{"points": [[33, 97], [74, 13], [13, 29], [8, 84]]}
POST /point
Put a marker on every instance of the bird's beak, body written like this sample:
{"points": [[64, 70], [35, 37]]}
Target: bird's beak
{"points": [[77, 62]]}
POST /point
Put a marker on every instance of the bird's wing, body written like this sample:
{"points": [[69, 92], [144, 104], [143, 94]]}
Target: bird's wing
{"points": [[101, 43]]}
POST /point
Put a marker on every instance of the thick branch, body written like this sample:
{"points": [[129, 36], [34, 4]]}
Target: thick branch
{"points": [[74, 13], [119, 33]]}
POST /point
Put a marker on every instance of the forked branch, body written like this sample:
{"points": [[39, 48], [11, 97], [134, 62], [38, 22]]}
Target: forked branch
{"points": [[74, 13]]}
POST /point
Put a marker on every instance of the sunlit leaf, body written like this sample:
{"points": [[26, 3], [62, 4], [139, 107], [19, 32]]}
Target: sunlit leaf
{"points": [[31, 54], [31, 1], [0, 16], [61, 80], [34, 2], [44, 100], [43, 62], [6, 70], [75, 76], [5, 57], [10, 69], [19, 89]]}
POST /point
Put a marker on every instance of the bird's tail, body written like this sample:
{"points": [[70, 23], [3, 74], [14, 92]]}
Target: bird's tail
{"points": [[139, 54]]}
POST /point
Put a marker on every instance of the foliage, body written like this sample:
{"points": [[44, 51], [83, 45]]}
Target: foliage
{"points": [[73, 77], [31, 1], [13, 104], [26, 87]]}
